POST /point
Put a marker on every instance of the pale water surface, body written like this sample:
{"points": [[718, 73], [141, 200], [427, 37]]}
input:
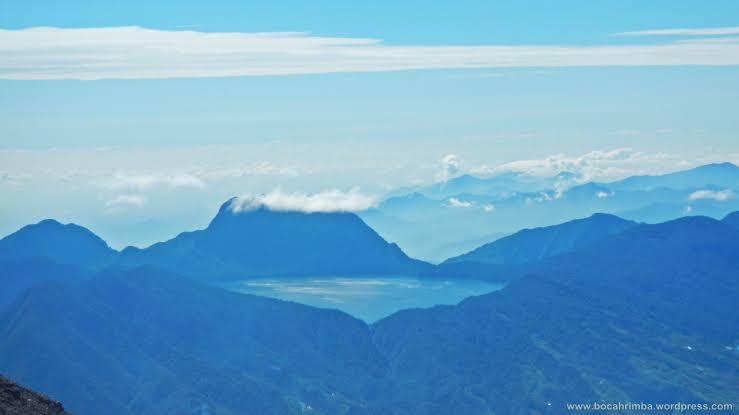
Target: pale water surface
{"points": [[368, 298]]}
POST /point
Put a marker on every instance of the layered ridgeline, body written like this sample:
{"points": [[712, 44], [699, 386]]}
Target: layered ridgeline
{"points": [[528, 250], [531, 245], [245, 240], [17, 400], [240, 242], [49, 250], [719, 175], [146, 342], [645, 315], [17, 276], [450, 218]]}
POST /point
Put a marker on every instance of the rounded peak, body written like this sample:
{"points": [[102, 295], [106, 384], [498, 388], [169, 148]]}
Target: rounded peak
{"points": [[724, 167], [608, 216], [49, 222], [130, 249], [598, 219], [600, 215], [54, 225], [690, 222]]}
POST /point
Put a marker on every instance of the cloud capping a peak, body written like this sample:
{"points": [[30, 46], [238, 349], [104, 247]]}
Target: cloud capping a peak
{"points": [[333, 200]]}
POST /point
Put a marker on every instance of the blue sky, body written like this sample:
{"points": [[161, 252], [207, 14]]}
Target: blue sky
{"points": [[79, 143], [398, 22]]}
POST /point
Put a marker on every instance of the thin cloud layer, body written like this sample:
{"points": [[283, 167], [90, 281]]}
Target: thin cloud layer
{"points": [[595, 165], [142, 182], [710, 31], [135, 52], [326, 201], [455, 202], [717, 195], [459, 203], [126, 200]]}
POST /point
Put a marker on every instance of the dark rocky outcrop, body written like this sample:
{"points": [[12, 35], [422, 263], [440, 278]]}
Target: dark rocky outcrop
{"points": [[17, 400]]}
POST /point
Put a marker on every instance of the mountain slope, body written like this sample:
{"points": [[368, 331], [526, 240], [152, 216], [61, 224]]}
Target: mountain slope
{"points": [[145, 342], [732, 219], [64, 244], [648, 315], [725, 175], [497, 184], [17, 400], [467, 209], [17, 276], [263, 242], [530, 245]]}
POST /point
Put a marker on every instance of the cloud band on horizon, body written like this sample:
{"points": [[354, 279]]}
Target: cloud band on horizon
{"points": [[704, 31], [48, 53]]}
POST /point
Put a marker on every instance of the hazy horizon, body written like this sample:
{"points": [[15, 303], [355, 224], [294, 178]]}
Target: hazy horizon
{"points": [[139, 120]]}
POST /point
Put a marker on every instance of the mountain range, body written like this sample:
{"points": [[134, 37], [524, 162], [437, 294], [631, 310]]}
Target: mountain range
{"points": [[265, 242], [531, 245], [444, 220], [596, 309], [235, 245], [645, 314], [64, 244]]}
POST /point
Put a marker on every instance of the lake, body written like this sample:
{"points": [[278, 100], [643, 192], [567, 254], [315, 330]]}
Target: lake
{"points": [[367, 298]]}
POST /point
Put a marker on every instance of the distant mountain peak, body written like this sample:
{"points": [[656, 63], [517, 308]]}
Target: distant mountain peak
{"points": [[605, 216], [261, 241], [49, 222], [723, 174], [724, 165], [235, 210], [62, 243], [531, 245]]}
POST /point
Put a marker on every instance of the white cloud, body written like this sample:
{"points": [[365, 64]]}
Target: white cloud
{"points": [[146, 181], [705, 31], [450, 167], [126, 200], [135, 52], [263, 168], [594, 165], [325, 201], [13, 178], [544, 197], [717, 195], [603, 195], [454, 202]]}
